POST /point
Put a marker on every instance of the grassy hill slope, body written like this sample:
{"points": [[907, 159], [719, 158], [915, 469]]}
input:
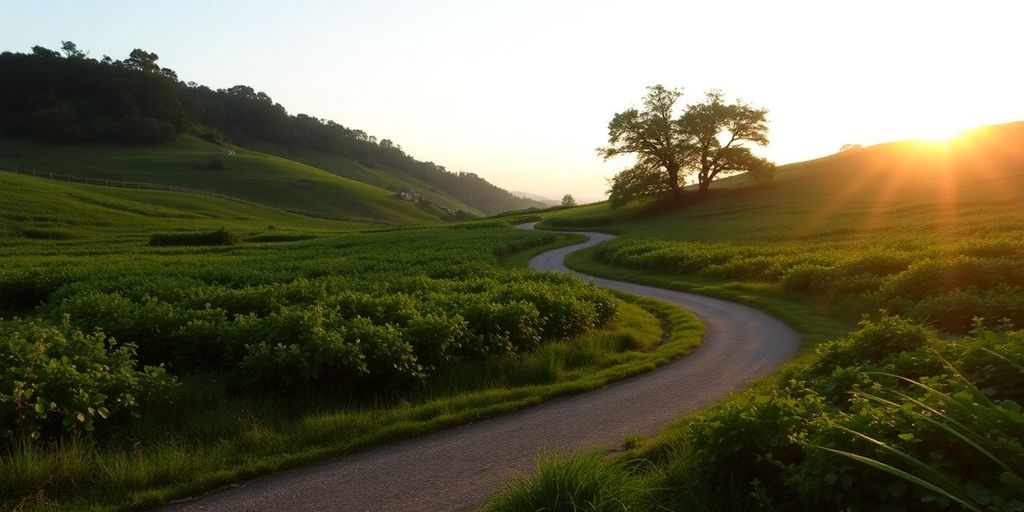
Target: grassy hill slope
{"points": [[250, 175], [386, 178], [37, 208]]}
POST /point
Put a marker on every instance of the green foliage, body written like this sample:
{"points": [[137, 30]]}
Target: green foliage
{"points": [[56, 379], [281, 320], [850, 432], [947, 290], [220, 237], [668, 147], [581, 483]]}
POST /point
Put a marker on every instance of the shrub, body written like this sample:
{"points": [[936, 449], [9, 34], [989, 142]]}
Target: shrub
{"points": [[24, 290], [930, 450], [808, 278], [55, 379], [873, 342], [750, 441], [218, 237]]}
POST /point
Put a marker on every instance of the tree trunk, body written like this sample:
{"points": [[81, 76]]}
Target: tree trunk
{"points": [[673, 180], [705, 184]]}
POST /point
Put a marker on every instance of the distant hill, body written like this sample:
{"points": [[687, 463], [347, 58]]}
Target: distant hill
{"points": [[547, 201], [68, 98]]}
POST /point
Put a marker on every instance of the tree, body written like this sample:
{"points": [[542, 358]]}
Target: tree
{"points": [[568, 200], [141, 60], [651, 135], [71, 50], [636, 182], [718, 134], [709, 139]]}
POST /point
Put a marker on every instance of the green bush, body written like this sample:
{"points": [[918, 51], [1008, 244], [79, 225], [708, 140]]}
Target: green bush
{"points": [[751, 440], [872, 343], [56, 379], [218, 237], [25, 290]]}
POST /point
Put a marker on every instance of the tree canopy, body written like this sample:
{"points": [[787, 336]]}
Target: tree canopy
{"points": [[708, 139]]}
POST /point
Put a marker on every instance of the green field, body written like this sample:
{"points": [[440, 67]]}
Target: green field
{"points": [[45, 211], [914, 407], [135, 373], [258, 177]]}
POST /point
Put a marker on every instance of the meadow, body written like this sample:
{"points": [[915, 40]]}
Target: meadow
{"points": [[232, 171], [904, 267], [143, 361]]}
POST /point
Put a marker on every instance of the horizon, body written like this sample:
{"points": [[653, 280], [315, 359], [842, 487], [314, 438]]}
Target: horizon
{"points": [[435, 78]]}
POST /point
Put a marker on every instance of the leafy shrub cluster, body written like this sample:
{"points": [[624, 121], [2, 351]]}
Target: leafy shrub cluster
{"points": [[328, 334], [892, 417], [218, 237], [354, 317], [977, 278], [55, 378]]}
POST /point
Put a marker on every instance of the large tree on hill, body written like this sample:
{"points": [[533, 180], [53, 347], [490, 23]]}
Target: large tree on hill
{"points": [[719, 135], [707, 139], [652, 136]]}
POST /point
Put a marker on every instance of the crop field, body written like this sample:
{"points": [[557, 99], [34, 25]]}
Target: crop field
{"points": [[904, 265], [149, 363]]}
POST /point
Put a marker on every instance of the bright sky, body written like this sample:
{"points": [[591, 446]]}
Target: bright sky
{"points": [[521, 91]]}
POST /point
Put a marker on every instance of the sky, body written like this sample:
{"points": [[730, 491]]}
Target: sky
{"points": [[521, 92]]}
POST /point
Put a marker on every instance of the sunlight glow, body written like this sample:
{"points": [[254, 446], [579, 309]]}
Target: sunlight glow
{"points": [[521, 93]]}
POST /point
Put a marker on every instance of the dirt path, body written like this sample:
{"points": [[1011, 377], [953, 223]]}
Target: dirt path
{"points": [[456, 469]]}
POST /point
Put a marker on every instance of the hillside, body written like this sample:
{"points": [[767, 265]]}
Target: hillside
{"points": [[386, 178], [74, 100], [45, 210], [983, 150], [249, 175]]}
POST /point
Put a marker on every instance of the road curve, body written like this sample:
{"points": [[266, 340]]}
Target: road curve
{"points": [[457, 468]]}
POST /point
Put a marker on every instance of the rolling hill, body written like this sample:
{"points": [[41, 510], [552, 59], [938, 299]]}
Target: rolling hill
{"points": [[246, 174], [135, 120], [45, 210]]}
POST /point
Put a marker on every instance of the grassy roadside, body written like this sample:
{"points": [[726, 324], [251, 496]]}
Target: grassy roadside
{"points": [[521, 259], [155, 474], [812, 321]]}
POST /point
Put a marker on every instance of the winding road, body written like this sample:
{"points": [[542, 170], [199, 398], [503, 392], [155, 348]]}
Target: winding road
{"points": [[457, 468]]}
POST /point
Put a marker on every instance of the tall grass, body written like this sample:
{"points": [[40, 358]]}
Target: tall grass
{"points": [[579, 483]]}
